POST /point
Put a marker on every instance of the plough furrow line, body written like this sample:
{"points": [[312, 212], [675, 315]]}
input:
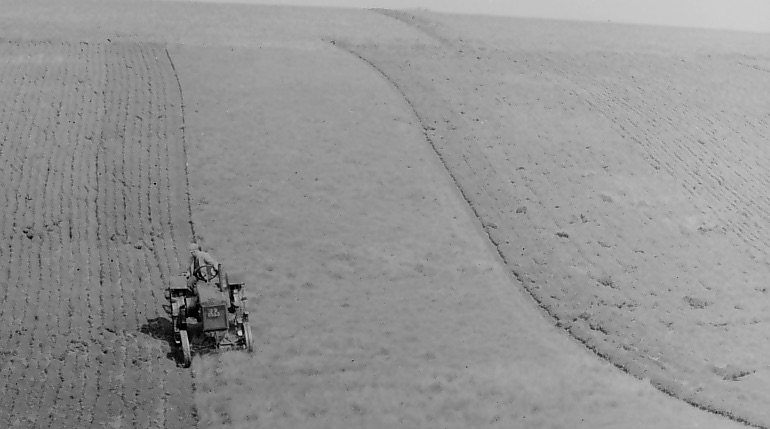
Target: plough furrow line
{"points": [[85, 231]]}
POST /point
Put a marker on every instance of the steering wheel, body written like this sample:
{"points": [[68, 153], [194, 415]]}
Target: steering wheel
{"points": [[206, 273]]}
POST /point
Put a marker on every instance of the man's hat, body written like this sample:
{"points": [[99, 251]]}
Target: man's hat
{"points": [[194, 246]]}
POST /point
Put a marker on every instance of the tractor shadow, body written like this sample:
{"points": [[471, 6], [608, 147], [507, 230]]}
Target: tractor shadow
{"points": [[161, 329]]}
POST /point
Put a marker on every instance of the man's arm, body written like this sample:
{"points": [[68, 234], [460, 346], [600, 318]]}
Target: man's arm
{"points": [[191, 270], [209, 260]]}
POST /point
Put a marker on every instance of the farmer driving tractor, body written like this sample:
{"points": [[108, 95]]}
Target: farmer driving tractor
{"points": [[203, 267], [224, 320]]}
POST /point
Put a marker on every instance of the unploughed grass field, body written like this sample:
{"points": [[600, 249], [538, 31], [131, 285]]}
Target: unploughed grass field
{"points": [[378, 296]]}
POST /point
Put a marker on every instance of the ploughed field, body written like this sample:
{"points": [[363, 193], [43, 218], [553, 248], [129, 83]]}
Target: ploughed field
{"points": [[615, 174], [624, 183], [94, 210]]}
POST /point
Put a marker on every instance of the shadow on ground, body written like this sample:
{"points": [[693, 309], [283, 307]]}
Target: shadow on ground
{"points": [[161, 329]]}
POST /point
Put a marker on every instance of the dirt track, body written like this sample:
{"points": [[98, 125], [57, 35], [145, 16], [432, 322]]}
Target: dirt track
{"points": [[94, 218]]}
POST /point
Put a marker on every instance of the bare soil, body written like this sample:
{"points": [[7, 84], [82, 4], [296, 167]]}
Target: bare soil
{"points": [[92, 134]]}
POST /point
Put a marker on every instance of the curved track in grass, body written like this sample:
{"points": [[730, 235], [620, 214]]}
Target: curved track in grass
{"points": [[610, 183]]}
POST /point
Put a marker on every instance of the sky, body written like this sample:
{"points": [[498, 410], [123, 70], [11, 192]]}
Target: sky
{"points": [[746, 15]]}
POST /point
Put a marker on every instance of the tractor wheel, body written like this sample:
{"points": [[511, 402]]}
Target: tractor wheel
{"points": [[247, 337], [186, 352]]}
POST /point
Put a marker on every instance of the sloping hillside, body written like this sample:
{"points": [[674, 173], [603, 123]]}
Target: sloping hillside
{"points": [[398, 188], [622, 182]]}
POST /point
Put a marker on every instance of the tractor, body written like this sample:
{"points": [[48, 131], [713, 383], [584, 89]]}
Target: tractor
{"points": [[224, 320]]}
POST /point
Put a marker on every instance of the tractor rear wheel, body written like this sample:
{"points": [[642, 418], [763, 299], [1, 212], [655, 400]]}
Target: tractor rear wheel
{"points": [[186, 352], [247, 337]]}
